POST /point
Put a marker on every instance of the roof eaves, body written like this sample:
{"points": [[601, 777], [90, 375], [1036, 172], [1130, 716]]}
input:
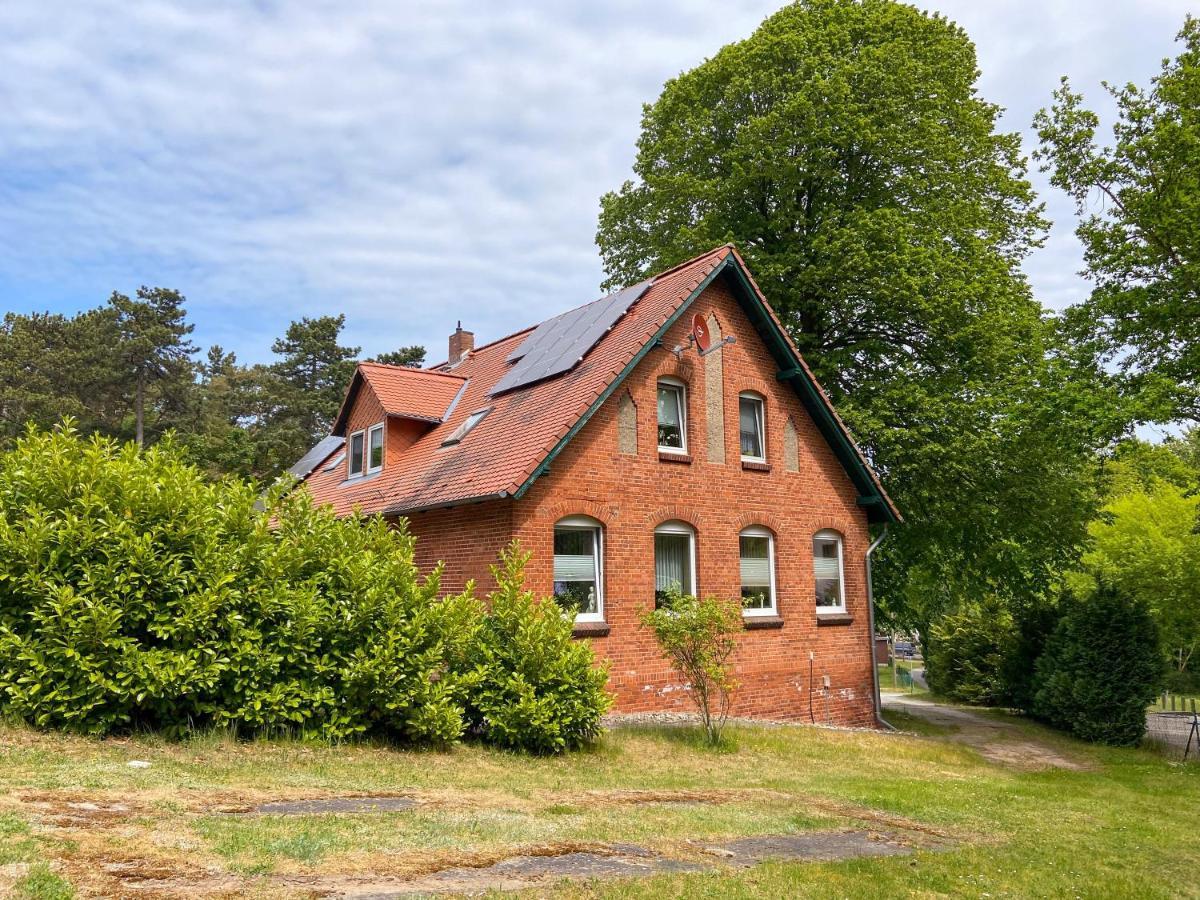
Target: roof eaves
{"points": [[400, 510]]}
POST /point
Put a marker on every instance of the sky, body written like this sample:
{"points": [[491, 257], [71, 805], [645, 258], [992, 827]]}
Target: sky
{"points": [[407, 164]]}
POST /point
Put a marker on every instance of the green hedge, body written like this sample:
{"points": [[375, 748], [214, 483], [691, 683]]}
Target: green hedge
{"points": [[1101, 668], [135, 593]]}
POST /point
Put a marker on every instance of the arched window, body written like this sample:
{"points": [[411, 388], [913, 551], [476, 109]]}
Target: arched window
{"points": [[828, 572], [672, 416], [674, 559], [752, 427], [757, 552], [579, 567]]}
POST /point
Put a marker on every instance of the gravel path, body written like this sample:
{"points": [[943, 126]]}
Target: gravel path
{"points": [[997, 740]]}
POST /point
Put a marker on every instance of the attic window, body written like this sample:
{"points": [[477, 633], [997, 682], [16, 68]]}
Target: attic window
{"points": [[375, 448], [356, 453], [337, 461], [464, 429]]}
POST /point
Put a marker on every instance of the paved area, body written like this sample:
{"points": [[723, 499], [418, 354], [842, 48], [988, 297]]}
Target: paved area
{"points": [[997, 740], [620, 861]]}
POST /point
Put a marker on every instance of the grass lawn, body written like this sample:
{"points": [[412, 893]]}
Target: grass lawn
{"points": [[73, 812]]}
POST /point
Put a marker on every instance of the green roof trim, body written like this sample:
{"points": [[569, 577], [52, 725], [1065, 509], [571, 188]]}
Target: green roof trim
{"points": [[871, 497]]}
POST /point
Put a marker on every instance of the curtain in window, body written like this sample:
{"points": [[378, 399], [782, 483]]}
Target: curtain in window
{"points": [[756, 571], [673, 563], [356, 454], [750, 427], [575, 570], [827, 570]]}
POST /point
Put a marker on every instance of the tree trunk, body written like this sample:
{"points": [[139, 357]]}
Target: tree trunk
{"points": [[139, 411]]}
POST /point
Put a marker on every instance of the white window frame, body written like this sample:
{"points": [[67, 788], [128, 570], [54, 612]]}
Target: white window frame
{"points": [[678, 526], [681, 388], [361, 456], [367, 467], [760, 532], [761, 404], [829, 534], [587, 523]]}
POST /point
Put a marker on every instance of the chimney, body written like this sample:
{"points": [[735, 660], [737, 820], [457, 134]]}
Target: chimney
{"points": [[461, 343]]}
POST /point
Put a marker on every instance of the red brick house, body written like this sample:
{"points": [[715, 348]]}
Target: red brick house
{"points": [[628, 461]]}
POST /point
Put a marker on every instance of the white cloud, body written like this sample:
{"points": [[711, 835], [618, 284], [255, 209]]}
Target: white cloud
{"points": [[408, 164]]}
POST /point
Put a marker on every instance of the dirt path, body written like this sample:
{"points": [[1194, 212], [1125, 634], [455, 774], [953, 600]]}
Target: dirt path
{"points": [[995, 739]]}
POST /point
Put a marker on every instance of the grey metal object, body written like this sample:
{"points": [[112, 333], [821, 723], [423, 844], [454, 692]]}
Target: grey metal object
{"points": [[558, 344], [313, 457]]}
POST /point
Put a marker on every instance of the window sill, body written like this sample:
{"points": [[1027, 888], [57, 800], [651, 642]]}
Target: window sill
{"points": [[753, 623], [750, 465], [683, 458], [590, 629], [840, 618]]}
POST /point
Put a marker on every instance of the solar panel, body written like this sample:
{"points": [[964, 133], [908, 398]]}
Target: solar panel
{"points": [[313, 457], [559, 343]]}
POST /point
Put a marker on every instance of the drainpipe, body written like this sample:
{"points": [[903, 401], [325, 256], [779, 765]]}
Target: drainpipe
{"points": [[871, 624]]}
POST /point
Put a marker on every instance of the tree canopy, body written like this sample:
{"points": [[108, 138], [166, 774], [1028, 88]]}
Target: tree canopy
{"points": [[1139, 203], [845, 149]]}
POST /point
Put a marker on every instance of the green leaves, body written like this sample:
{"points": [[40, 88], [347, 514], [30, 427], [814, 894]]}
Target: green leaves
{"points": [[846, 151], [1142, 239], [1101, 669], [532, 687], [698, 639], [136, 593]]}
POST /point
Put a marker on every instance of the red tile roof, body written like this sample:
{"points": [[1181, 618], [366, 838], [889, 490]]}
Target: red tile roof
{"points": [[411, 393], [524, 427]]}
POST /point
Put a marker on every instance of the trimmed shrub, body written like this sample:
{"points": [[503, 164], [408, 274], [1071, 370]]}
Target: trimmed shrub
{"points": [[134, 593], [969, 651], [1102, 667], [1035, 623], [533, 687], [698, 638]]}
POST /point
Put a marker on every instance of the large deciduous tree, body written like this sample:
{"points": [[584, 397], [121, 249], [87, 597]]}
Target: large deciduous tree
{"points": [[1139, 203], [845, 149]]}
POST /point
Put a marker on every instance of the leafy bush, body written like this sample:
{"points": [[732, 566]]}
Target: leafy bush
{"points": [[969, 651], [134, 593], [533, 688], [1101, 669], [697, 637]]}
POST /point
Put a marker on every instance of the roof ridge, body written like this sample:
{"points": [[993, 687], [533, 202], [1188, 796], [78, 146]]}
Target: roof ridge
{"points": [[486, 346], [692, 261], [411, 369], [654, 277]]}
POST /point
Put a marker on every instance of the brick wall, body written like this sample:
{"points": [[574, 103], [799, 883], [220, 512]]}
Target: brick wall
{"points": [[631, 494], [804, 491], [467, 539]]}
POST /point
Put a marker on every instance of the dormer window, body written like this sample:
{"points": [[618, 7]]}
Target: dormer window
{"points": [[357, 442], [375, 448]]}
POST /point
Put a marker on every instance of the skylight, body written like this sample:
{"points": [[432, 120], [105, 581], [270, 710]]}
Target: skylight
{"points": [[464, 429]]}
